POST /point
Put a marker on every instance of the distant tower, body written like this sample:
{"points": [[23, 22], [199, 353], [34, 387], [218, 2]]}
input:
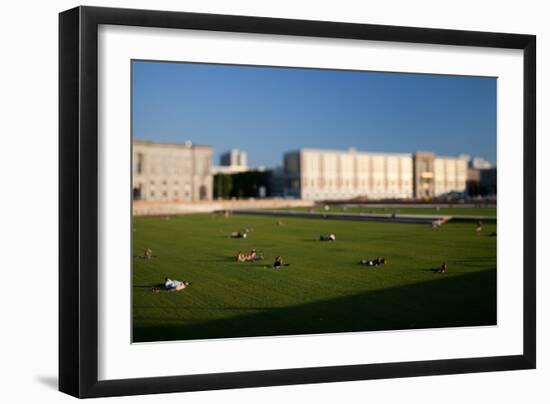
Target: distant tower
{"points": [[234, 158], [231, 162], [480, 163]]}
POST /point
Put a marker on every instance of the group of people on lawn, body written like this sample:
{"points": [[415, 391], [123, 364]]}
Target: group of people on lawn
{"points": [[175, 285]]}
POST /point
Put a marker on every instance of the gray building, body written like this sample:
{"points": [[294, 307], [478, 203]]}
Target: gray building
{"points": [[171, 171]]}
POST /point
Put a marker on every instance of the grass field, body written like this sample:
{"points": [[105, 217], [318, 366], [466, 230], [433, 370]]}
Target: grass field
{"points": [[417, 210], [323, 290]]}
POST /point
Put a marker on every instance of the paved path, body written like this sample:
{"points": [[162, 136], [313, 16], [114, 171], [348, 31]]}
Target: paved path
{"points": [[373, 217]]}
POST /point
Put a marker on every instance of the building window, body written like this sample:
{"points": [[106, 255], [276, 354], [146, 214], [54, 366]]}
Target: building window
{"points": [[203, 192], [139, 166], [137, 193]]}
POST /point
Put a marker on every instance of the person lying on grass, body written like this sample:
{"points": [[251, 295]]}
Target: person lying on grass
{"points": [[373, 263], [436, 224], [278, 263], [171, 285], [250, 256], [238, 234], [327, 237]]}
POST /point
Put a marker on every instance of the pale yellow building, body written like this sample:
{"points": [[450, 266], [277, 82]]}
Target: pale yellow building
{"points": [[436, 175], [333, 174], [314, 174], [171, 171]]}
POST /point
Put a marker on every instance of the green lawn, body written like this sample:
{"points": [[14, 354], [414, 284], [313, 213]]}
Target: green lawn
{"points": [[417, 210], [323, 289]]}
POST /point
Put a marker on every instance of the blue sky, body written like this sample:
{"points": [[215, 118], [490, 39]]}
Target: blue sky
{"points": [[268, 111]]}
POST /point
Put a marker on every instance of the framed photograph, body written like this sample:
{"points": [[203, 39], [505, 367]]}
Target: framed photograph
{"points": [[250, 201]]}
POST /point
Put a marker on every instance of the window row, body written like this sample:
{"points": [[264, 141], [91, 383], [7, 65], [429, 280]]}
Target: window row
{"points": [[351, 183]]}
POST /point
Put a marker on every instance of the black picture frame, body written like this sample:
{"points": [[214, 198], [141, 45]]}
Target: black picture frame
{"points": [[78, 201]]}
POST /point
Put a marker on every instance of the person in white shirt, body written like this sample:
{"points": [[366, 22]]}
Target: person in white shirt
{"points": [[169, 283]]}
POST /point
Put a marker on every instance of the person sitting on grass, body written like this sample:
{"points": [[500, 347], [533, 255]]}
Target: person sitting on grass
{"points": [[442, 268], [148, 253], [479, 227], [278, 263], [374, 262]]}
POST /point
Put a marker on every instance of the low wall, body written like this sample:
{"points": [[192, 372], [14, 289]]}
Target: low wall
{"points": [[159, 208]]}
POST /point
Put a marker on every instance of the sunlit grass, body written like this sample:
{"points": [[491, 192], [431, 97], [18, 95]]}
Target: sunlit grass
{"points": [[323, 290]]}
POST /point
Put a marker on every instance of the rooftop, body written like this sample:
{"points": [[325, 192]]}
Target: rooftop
{"points": [[187, 144]]}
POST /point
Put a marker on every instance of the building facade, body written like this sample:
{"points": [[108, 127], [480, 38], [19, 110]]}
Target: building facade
{"points": [[488, 181], [171, 172], [436, 176], [332, 174], [472, 183], [482, 178]]}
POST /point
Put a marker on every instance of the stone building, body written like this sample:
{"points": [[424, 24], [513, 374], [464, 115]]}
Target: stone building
{"points": [[171, 171], [332, 174]]}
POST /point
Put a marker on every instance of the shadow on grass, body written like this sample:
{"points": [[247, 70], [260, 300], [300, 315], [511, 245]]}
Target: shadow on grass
{"points": [[224, 258], [474, 260], [449, 300]]}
